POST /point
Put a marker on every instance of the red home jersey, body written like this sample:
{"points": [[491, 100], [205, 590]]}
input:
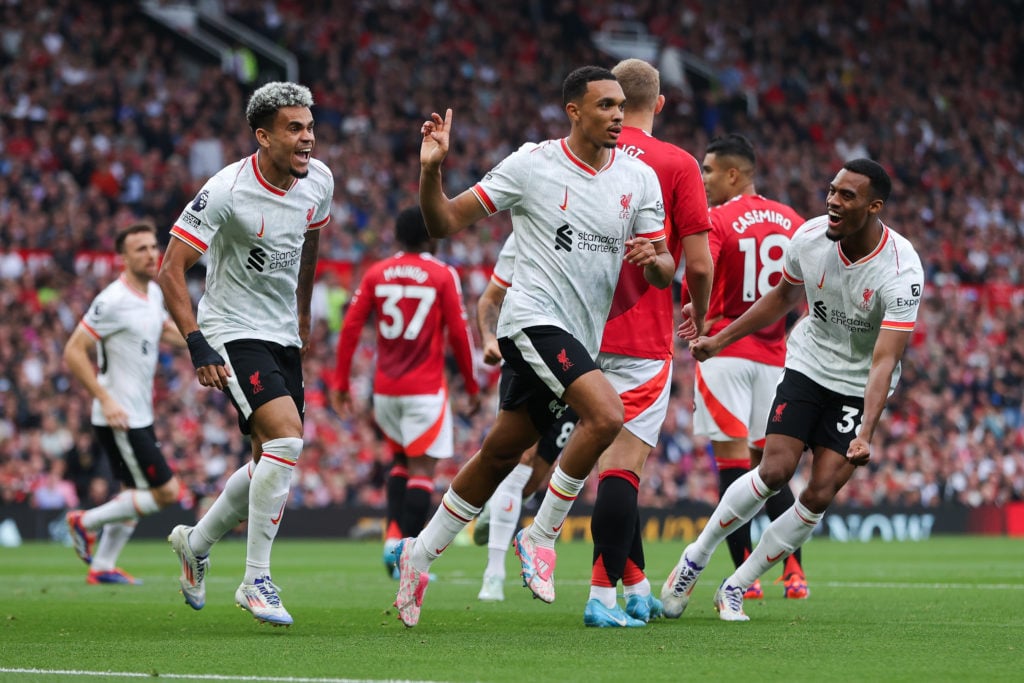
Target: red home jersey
{"points": [[414, 299], [641, 322], [749, 236]]}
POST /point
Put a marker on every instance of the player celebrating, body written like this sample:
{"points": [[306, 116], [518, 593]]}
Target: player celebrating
{"points": [[636, 357], [259, 221], [415, 298], [580, 213], [125, 323], [734, 390], [862, 282]]}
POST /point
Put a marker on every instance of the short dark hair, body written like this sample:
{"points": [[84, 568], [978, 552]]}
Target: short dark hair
{"points": [[733, 145], [575, 84], [132, 229], [410, 229], [881, 183], [264, 104]]}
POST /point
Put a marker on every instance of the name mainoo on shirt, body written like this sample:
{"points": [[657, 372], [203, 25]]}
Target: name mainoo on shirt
{"points": [[412, 272], [755, 216]]}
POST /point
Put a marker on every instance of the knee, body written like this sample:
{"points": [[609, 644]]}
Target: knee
{"points": [[606, 423], [167, 494], [773, 473]]}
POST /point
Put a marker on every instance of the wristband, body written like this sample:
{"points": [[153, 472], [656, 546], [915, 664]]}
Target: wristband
{"points": [[202, 353]]}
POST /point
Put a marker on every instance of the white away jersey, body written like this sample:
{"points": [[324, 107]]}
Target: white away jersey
{"points": [[505, 266], [570, 223], [127, 326], [849, 304], [253, 233]]}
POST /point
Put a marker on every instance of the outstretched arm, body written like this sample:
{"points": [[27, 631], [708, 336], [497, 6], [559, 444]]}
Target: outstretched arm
{"points": [[442, 215], [766, 310]]}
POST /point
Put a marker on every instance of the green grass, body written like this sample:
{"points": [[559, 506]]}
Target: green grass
{"points": [[947, 609]]}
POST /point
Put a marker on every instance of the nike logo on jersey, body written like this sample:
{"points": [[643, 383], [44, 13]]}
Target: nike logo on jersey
{"points": [[774, 559], [263, 225], [277, 520], [726, 525], [821, 282], [565, 200]]}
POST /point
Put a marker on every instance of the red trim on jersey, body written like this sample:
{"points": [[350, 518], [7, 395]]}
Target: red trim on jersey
{"points": [[421, 443], [501, 283], [897, 325], [733, 463], [265, 183], [142, 295], [639, 399], [759, 444], [582, 164], [317, 226], [656, 236], [792, 279], [93, 333], [189, 239], [481, 195], [728, 422], [881, 245]]}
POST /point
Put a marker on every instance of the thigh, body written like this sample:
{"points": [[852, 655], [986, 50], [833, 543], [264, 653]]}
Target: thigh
{"points": [[262, 372], [723, 396], [136, 457], [644, 387]]}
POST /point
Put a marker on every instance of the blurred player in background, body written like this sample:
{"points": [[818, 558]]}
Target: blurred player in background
{"points": [[734, 390], [862, 282], [636, 357], [125, 324], [258, 221], [499, 519], [416, 301]]}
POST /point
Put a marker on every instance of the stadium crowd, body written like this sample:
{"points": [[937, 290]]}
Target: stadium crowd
{"points": [[106, 119]]}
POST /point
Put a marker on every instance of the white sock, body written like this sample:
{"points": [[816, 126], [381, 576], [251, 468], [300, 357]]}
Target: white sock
{"points": [[738, 505], [789, 531], [230, 509], [128, 505], [112, 541], [268, 494], [603, 594], [562, 492], [451, 517], [642, 588], [506, 505]]}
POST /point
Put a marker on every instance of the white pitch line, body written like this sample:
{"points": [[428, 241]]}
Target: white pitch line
{"points": [[200, 677]]}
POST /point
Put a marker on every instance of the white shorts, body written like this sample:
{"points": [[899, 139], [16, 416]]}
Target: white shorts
{"points": [[643, 384], [733, 397], [416, 425]]}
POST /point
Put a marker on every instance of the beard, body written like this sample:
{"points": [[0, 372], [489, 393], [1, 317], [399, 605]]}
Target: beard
{"points": [[298, 174]]}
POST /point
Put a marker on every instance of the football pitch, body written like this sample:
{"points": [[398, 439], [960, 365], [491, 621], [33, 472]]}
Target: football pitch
{"points": [[945, 609]]}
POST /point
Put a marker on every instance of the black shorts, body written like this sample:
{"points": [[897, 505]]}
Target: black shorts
{"points": [[544, 360], [554, 438], [135, 456], [805, 410], [260, 372]]}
